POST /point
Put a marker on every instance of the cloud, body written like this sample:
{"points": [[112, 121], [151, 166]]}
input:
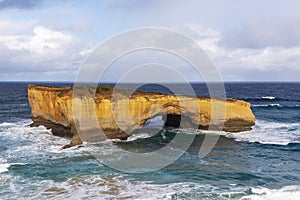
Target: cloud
{"points": [[42, 50], [243, 63], [246, 40], [19, 4], [266, 59], [13, 27], [42, 41], [38, 76], [262, 32]]}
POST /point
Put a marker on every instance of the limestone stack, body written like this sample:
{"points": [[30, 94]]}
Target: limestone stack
{"points": [[53, 108]]}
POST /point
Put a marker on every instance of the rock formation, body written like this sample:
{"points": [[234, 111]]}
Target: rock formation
{"points": [[53, 108]]}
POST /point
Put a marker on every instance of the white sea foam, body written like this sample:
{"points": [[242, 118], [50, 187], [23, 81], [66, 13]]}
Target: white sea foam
{"points": [[263, 132], [124, 187], [41, 143], [270, 133], [32, 142], [3, 165], [117, 187], [38, 142], [6, 124], [138, 136], [268, 97], [287, 192], [267, 105]]}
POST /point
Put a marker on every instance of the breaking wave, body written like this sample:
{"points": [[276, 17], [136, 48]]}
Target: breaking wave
{"points": [[265, 132], [287, 192]]}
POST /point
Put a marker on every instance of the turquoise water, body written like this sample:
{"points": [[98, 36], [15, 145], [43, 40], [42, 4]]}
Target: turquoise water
{"points": [[259, 164]]}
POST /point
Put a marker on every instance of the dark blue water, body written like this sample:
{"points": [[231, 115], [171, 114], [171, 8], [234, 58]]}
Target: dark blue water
{"points": [[261, 163]]}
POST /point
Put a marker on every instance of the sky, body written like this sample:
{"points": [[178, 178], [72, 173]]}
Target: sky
{"points": [[249, 40]]}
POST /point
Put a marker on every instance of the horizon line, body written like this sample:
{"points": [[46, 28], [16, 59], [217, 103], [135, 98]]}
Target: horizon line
{"points": [[192, 82]]}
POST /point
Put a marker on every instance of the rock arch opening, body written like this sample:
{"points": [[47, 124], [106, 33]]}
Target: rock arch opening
{"points": [[170, 120]]}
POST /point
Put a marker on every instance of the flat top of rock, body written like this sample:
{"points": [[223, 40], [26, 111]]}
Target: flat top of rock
{"points": [[105, 91], [48, 88]]}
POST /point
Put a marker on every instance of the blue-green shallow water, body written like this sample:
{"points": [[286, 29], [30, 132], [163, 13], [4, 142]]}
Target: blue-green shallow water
{"points": [[260, 164]]}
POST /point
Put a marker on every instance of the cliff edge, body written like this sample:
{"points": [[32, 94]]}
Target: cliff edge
{"points": [[53, 108]]}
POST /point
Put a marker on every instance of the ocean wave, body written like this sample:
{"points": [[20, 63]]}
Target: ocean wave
{"points": [[269, 97], [124, 187], [264, 98], [41, 144], [3, 165], [121, 187], [7, 124], [276, 105], [267, 105], [27, 142], [138, 136], [265, 132], [288, 192]]}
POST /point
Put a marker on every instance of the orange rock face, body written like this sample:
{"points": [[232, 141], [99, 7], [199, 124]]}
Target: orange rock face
{"points": [[53, 107]]}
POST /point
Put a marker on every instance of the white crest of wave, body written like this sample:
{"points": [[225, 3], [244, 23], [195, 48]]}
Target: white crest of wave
{"points": [[138, 136], [31, 142], [115, 187], [287, 192], [267, 105], [6, 124], [265, 132], [268, 97], [3, 165]]}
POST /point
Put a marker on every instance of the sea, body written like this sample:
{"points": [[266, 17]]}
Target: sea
{"points": [[263, 163]]}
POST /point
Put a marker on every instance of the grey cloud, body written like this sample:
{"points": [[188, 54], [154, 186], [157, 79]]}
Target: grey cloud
{"points": [[259, 32], [19, 4], [45, 50]]}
